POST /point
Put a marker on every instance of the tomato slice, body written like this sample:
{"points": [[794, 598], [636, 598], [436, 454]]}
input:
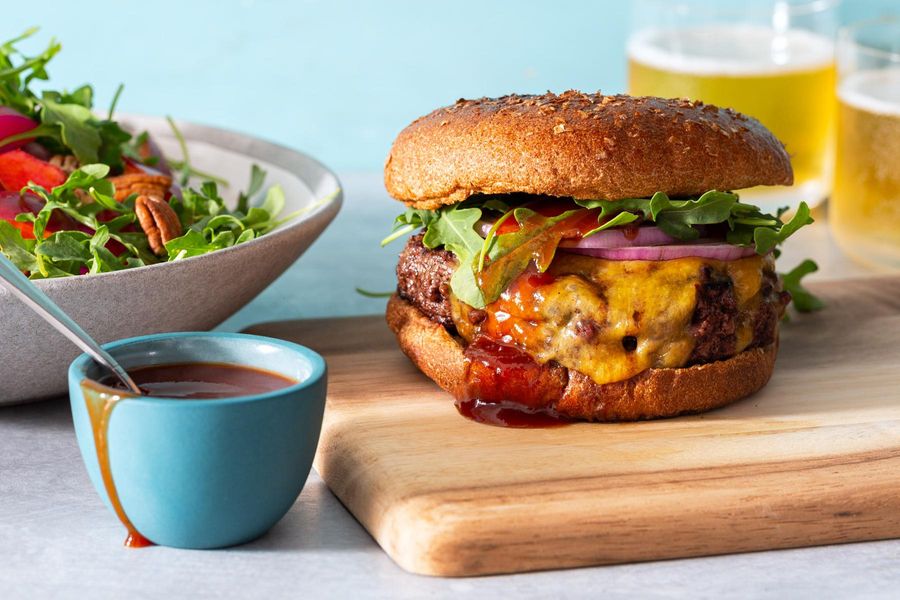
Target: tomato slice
{"points": [[17, 168], [578, 224]]}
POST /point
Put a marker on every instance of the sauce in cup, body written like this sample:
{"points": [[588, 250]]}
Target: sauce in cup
{"points": [[203, 381], [179, 381]]}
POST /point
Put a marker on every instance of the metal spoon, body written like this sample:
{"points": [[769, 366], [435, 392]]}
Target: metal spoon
{"points": [[22, 287]]}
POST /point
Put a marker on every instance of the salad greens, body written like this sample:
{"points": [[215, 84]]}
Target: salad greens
{"points": [[747, 224], [78, 226], [116, 242], [454, 227], [67, 124]]}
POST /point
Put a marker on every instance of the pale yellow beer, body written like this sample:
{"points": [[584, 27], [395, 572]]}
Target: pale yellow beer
{"points": [[865, 205], [786, 80]]}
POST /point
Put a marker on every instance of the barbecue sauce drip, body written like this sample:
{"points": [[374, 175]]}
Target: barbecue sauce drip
{"points": [[100, 401], [184, 381], [505, 387]]}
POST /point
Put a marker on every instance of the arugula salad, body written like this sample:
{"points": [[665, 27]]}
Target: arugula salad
{"points": [[80, 195]]}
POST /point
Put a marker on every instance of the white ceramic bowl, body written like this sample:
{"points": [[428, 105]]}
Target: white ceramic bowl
{"points": [[193, 294]]}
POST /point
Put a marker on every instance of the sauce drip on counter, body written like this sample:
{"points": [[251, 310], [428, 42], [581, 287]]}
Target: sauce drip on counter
{"points": [[506, 387], [203, 381], [183, 381]]}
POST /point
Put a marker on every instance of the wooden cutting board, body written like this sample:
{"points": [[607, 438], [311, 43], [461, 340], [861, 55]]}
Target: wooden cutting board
{"points": [[812, 459]]}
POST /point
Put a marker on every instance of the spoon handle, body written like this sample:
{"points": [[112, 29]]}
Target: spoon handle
{"points": [[21, 287]]}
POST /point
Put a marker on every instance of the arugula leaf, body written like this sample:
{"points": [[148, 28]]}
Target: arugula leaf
{"points": [[14, 90], [184, 167], [677, 218], [767, 238], [371, 294], [803, 299], [114, 102], [623, 218], [455, 230], [491, 237], [194, 243], [75, 131], [495, 204], [16, 249], [535, 241], [102, 260], [257, 179], [274, 201], [112, 141], [65, 246], [81, 96], [614, 207], [410, 221]]}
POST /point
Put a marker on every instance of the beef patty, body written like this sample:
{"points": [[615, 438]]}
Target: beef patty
{"points": [[423, 279]]}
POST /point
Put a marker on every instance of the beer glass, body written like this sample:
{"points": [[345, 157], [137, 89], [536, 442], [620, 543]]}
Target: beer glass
{"points": [[770, 59], [864, 211]]}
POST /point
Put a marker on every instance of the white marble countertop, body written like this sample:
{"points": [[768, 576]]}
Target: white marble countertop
{"points": [[58, 541]]}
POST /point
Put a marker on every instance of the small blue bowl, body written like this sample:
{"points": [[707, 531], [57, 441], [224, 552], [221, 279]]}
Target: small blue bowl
{"points": [[206, 473]]}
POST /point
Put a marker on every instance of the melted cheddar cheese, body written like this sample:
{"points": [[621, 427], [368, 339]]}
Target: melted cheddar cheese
{"points": [[580, 312]]}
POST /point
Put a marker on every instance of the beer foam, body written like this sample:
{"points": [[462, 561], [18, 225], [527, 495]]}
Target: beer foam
{"points": [[731, 50], [873, 91]]}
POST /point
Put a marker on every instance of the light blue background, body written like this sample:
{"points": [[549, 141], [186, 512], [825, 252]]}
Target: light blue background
{"points": [[337, 79]]}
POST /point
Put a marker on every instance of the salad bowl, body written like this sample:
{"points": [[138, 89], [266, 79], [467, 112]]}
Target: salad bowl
{"points": [[195, 293]]}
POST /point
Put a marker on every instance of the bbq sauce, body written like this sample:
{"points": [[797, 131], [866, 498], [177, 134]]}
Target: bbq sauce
{"points": [[202, 381], [181, 381], [505, 387]]}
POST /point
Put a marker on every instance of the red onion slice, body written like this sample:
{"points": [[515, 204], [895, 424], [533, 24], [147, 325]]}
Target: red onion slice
{"points": [[13, 123], [646, 235], [712, 250], [616, 238]]}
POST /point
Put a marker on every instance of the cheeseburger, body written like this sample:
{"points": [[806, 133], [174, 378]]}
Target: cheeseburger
{"points": [[581, 256]]}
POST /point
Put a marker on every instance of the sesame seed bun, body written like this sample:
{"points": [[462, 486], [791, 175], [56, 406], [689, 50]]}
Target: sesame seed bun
{"points": [[585, 146], [651, 394]]}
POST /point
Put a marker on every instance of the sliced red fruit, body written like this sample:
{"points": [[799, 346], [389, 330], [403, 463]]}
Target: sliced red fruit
{"points": [[14, 123], [13, 203], [17, 168]]}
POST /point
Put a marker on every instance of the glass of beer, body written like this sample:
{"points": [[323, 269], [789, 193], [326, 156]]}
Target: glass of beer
{"points": [[770, 59], [864, 210]]}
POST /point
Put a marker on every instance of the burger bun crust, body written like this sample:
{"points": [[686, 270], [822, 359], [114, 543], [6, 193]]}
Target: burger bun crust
{"points": [[583, 146]]}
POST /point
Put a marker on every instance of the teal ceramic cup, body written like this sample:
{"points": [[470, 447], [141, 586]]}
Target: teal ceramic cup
{"points": [[206, 473]]}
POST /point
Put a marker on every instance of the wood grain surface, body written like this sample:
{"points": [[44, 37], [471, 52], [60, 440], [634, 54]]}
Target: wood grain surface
{"points": [[814, 458]]}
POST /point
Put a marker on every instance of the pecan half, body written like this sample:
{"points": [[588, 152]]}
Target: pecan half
{"points": [[158, 221], [66, 162], [141, 183]]}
